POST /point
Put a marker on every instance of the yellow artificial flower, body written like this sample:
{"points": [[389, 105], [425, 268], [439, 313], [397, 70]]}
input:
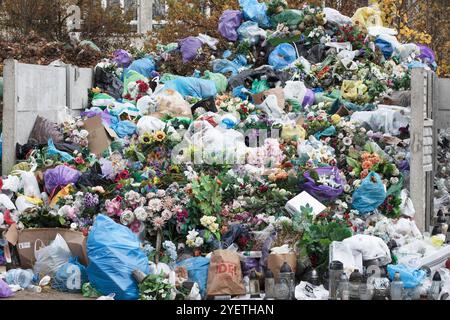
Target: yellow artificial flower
{"points": [[335, 118], [146, 138], [159, 136], [96, 90]]}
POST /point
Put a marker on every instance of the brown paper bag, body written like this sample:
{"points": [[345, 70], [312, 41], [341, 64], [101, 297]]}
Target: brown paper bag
{"points": [[278, 92], [275, 261], [27, 237], [225, 274]]}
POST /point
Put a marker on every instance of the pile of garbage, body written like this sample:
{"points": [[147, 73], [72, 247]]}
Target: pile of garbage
{"points": [[280, 173]]}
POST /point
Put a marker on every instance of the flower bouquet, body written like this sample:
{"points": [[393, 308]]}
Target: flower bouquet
{"points": [[325, 183]]}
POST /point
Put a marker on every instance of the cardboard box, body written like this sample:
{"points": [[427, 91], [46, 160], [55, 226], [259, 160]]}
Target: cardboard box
{"points": [[303, 199], [27, 237], [278, 92], [100, 136]]}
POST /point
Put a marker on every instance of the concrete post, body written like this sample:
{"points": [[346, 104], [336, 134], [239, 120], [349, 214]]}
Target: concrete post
{"points": [[145, 16], [9, 115]]}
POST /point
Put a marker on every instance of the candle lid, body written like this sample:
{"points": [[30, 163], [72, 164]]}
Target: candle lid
{"points": [[285, 268]]}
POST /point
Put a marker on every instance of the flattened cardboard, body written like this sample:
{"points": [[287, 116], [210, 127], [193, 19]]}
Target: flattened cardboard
{"points": [[278, 92], [12, 235], [27, 237], [100, 136]]}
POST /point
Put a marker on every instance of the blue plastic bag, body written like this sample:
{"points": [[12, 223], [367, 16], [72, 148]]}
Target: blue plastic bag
{"points": [[385, 47], [282, 56], [197, 269], [255, 11], [114, 253], [51, 151], [370, 195], [144, 66], [411, 277], [250, 32], [225, 66], [70, 277], [124, 128], [194, 87]]}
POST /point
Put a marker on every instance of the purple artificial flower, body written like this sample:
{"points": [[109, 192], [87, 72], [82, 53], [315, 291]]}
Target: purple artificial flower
{"points": [[90, 200]]}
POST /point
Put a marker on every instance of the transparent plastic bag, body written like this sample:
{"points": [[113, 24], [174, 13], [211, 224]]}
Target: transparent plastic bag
{"points": [[50, 258]]}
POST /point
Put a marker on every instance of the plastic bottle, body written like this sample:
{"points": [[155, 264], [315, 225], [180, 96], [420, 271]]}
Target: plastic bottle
{"points": [[397, 288], [354, 283], [336, 269], [34, 288], [435, 289], [343, 287], [20, 277]]}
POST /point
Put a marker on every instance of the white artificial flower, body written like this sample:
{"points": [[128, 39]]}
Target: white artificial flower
{"points": [[198, 242], [140, 213]]}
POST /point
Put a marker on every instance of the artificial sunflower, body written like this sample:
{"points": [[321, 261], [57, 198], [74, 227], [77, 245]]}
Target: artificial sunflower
{"points": [[146, 138], [159, 136]]}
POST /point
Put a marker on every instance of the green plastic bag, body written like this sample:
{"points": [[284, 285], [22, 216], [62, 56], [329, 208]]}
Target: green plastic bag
{"points": [[395, 189], [166, 77], [259, 86], [219, 79], [89, 291], [291, 18], [131, 76]]}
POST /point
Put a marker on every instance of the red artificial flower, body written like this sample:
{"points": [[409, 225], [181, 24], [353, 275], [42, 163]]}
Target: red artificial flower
{"points": [[143, 87], [1, 183], [263, 188], [79, 160], [7, 217], [243, 241], [85, 232], [124, 174]]}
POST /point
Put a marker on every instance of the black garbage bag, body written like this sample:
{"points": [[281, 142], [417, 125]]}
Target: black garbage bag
{"points": [[108, 82], [93, 177], [43, 130], [234, 232], [212, 241], [246, 78], [314, 54], [23, 150], [68, 147], [208, 104]]}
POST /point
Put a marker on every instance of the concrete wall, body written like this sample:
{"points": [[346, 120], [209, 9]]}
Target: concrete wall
{"points": [[32, 90]]}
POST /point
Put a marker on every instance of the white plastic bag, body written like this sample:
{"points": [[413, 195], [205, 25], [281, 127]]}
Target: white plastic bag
{"points": [[6, 202], [295, 90], [210, 41], [149, 124], [50, 258], [12, 183], [271, 108], [335, 16], [172, 102], [30, 184], [22, 204]]}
